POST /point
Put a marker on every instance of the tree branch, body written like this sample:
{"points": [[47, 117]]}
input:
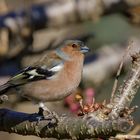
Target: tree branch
{"points": [[88, 126], [127, 92], [99, 123]]}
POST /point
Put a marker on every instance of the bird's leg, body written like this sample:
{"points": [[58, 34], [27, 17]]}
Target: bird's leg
{"points": [[45, 114]]}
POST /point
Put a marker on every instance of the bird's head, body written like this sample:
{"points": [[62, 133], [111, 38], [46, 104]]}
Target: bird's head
{"points": [[72, 49]]}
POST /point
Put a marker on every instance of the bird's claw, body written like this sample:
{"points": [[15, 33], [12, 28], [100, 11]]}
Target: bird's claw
{"points": [[52, 117]]}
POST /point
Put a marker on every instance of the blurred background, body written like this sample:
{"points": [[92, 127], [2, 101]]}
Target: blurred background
{"points": [[30, 28]]}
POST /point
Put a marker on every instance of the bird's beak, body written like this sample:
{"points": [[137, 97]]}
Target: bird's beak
{"points": [[84, 49]]}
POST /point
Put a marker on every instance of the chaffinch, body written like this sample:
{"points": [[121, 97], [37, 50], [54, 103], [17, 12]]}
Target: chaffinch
{"points": [[53, 77]]}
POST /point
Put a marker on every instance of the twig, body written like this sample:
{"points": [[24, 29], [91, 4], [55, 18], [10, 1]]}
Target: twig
{"points": [[126, 93], [135, 130], [130, 137], [119, 70]]}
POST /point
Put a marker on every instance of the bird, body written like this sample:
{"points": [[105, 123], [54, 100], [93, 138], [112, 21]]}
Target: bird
{"points": [[53, 77]]}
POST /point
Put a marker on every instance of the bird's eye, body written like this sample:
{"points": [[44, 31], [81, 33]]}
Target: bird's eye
{"points": [[74, 45]]}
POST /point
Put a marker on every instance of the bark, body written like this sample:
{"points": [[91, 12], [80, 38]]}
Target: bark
{"points": [[61, 127]]}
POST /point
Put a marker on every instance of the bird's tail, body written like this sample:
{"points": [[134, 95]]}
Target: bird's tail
{"points": [[4, 88]]}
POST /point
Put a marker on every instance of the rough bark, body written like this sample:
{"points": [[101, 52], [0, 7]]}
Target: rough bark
{"points": [[88, 126]]}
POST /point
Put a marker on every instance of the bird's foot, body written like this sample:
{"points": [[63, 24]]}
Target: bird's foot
{"points": [[51, 119], [45, 114], [43, 109]]}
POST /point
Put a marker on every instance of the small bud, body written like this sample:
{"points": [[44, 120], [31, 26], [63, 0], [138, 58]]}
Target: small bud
{"points": [[78, 97]]}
